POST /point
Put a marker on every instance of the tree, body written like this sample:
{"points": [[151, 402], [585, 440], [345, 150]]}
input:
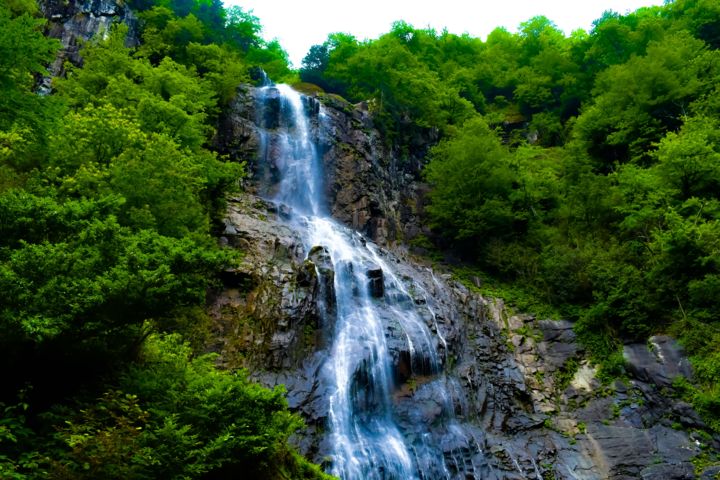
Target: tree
{"points": [[689, 161], [700, 17], [25, 117], [615, 38], [242, 29], [638, 101], [174, 415], [314, 64], [471, 180]]}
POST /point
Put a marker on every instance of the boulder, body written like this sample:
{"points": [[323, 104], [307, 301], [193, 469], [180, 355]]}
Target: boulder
{"points": [[659, 361]]}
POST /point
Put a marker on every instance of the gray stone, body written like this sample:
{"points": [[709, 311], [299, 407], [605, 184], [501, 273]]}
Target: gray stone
{"points": [[659, 361], [674, 446], [625, 451], [558, 345], [74, 22], [521, 422], [597, 410], [666, 471], [687, 416], [495, 383], [711, 473]]}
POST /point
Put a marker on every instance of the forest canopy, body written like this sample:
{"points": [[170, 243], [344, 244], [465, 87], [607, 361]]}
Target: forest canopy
{"points": [[110, 197]]}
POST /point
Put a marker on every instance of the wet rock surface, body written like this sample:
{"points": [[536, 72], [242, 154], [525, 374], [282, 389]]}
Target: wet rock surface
{"points": [[524, 402], [376, 284], [267, 313], [367, 186], [513, 397]]}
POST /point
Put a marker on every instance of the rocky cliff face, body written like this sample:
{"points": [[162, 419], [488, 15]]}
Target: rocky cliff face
{"points": [[525, 400], [76, 21], [367, 187]]}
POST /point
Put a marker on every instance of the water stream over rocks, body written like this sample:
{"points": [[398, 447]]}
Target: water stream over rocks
{"points": [[400, 372], [367, 308]]}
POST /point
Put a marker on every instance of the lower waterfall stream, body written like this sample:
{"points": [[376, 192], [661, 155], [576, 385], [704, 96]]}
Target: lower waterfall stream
{"points": [[370, 300]]}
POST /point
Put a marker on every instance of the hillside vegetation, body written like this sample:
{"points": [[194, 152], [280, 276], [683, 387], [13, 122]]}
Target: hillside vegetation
{"points": [[584, 169], [108, 199]]}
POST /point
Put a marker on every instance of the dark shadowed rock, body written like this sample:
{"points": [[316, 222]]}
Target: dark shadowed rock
{"points": [[75, 22], [625, 451], [559, 343], [674, 446], [687, 416], [664, 471], [597, 410], [522, 421], [711, 473], [659, 361], [376, 284], [320, 258]]}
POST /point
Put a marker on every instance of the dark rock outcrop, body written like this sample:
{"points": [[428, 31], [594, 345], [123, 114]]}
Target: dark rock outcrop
{"points": [[268, 312], [520, 389], [367, 187], [238, 135], [76, 21], [658, 362], [376, 284]]}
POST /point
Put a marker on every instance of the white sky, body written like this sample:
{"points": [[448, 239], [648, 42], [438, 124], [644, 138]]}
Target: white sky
{"points": [[299, 24]]}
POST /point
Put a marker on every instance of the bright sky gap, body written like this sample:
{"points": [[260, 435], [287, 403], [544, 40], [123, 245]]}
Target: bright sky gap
{"points": [[300, 24]]}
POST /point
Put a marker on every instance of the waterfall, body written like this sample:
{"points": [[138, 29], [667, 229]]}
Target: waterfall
{"points": [[379, 333]]}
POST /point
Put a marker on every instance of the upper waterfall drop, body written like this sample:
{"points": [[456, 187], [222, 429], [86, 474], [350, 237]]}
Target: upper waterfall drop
{"points": [[380, 336], [297, 160]]}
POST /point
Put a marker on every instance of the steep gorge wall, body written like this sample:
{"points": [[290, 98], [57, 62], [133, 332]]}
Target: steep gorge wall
{"points": [[509, 372], [527, 399], [367, 187]]}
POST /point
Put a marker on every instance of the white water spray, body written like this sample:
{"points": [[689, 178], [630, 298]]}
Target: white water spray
{"points": [[367, 442]]}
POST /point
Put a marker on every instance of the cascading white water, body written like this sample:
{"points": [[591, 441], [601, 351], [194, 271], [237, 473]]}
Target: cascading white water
{"points": [[371, 305]]}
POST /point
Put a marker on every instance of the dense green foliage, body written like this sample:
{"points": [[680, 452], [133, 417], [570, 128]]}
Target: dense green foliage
{"points": [[171, 415], [176, 416], [583, 168], [109, 195], [209, 37]]}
